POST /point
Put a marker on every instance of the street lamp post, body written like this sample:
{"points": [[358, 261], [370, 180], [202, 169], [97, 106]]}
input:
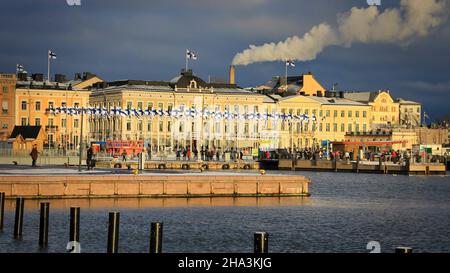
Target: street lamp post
{"points": [[81, 139]]}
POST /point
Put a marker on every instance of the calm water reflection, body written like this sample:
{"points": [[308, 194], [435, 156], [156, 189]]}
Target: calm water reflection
{"points": [[344, 212]]}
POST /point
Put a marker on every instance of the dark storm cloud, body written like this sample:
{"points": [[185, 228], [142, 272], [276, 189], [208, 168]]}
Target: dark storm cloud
{"points": [[146, 40]]}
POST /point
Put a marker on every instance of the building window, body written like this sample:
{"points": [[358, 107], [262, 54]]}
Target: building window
{"points": [[320, 127], [75, 123], [129, 125], [24, 105], [328, 127], [63, 104], [37, 122], [129, 105], [23, 122], [5, 89], [349, 127], [161, 106], [161, 126], [77, 105], [38, 106], [342, 113], [320, 113], [357, 127], [328, 113], [149, 126], [50, 104], [364, 114], [140, 105], [5, 106], [140, 125], [335, 127], [342, 127], [5, 126], [364, 127], [349, 114], [357, 114], [169, 126], [335, 113], [150, 106], [170, 107], [63, 123]]}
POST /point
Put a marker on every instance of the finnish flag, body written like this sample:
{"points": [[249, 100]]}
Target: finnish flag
{"points": [[191, 55], [19, 67], [51, 55], [290, 63]]}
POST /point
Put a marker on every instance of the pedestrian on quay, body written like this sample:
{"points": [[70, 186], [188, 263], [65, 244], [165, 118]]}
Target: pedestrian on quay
{"points": [[124, 156], [89, 155], [34, 155]]}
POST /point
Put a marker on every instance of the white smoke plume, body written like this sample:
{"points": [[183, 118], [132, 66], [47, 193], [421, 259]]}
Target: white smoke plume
{"points": [[414, 18]]}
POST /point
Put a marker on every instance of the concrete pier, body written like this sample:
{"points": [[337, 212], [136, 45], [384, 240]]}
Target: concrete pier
{"points": [[353, 166], [163, 185]]}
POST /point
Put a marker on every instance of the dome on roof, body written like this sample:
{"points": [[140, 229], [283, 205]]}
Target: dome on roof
{"points": [[188, 79]]}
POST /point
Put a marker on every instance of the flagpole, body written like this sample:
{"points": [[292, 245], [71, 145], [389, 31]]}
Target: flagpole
{"points": [[186, 57], [48, 66], [285, 74]]}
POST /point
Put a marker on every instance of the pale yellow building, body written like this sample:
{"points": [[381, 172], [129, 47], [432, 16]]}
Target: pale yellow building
{"points": [[410, 113], [334, 117], [385, 110], [182, 92]]}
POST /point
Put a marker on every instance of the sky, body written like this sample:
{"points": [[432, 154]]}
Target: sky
{"points": [[147, 40]]}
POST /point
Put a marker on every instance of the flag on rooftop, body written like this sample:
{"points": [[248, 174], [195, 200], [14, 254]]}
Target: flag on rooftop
{"points": [[19, 67], [191, 55], [51, 55], [290, 63]]}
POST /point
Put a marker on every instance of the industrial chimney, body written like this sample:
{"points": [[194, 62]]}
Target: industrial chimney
{"points": [[232, 75]]}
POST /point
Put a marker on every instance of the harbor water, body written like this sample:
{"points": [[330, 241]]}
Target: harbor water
{"points": [[344, 213]]}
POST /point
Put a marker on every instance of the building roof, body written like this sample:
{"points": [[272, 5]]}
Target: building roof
{"points": [[361, 96], [403, 101], [27, 132], [322, 100], [179, 84], [275, 85]]}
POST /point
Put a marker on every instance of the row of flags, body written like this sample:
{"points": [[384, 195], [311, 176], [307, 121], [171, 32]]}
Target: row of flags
{"points": [[179, 113]]}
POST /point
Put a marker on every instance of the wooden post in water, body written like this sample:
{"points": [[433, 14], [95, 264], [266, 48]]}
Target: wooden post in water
{"points": [[403, 250], [74, 235], [43, 224], [2, 209], [18, 220], [261, 242], [156, 235], [113, 232]]}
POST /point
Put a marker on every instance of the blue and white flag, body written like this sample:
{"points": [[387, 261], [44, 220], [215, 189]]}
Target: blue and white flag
{"points": [[51, 55], [290, 63], [191, 55], [19, 68]]}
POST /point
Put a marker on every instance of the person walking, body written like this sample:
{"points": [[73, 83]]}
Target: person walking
{"points": [[124, 156], [34, 155], [89, 155]]}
